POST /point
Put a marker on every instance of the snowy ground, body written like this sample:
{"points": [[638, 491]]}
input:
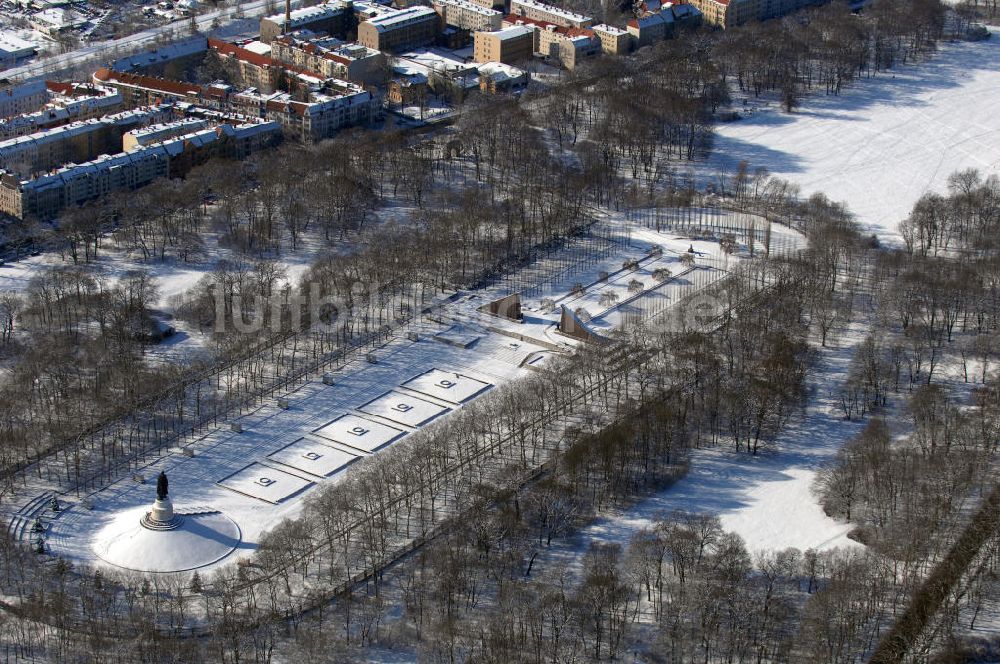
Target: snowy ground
{"points": [[885, 141]]}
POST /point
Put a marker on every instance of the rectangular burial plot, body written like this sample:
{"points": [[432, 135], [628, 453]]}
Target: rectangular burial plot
{"points": [[312, 457], [403, 408], [447, 386], [265, 483], [358, 432]]}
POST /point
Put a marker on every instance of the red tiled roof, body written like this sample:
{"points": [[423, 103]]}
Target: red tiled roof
{"points": [[513, 19], [545, 25], [148, 82], [256, 58], [61, 88], [274, 105], [337, 58], [240, 53], [297, 107]]}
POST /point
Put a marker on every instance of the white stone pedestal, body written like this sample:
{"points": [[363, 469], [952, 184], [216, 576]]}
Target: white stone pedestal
{"points": [[162, 516]]}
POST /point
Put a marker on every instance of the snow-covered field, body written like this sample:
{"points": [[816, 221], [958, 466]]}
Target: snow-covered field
{"points": [[885, 141]]}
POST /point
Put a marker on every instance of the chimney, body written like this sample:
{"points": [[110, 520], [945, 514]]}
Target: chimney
{"points": [[288, 15]]}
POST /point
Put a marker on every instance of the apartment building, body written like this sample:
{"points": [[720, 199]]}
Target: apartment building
{"points": [[540, 11], [249, 69], [16, 99], [137, 139], [467, 15], [657, 22], [568, 46], [730, 13], [140, 90], [727, 13], [509, 45], [335, 18], [651, 28], [68, 102], [45, 196], [614, 40], [330, 58], [339, 104], [400, 30], [74, 142], [330, 104]]}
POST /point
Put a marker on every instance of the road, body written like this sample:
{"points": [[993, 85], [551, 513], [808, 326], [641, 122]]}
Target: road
{"points": [[116, 48]]}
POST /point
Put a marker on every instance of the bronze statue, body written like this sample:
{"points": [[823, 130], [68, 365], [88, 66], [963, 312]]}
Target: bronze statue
{"points": [[161, 486]]}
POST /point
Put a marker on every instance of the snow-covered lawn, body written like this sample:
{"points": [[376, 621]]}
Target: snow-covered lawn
{"points": [[885, 141]]}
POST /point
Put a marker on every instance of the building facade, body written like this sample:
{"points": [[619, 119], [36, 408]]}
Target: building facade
{"points": [[340, 104], [45, 196], [335, 18], [68, 102], [331, 58], [497, 78], [74, 142], [401, 30], [730, 13], [510, 45], [24, 98], [567, 46], [614, 41], [138, 90]]}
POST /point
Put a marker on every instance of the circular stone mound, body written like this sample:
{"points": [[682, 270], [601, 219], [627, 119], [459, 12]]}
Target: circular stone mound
{"points": [[198, 540]]}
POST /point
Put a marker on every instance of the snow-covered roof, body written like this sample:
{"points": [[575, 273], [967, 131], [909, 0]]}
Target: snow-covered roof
{"points": [[157, 132], [513, 32], [14, 45], [401, 18], [609, 29], [258, 47], [499, 71], [164, 54], [57, 18], [550, 9], [468, 6], [685, 11], [309, 14]]}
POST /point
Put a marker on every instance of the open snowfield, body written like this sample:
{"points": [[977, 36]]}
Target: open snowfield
{"points": [[886, 141]]}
